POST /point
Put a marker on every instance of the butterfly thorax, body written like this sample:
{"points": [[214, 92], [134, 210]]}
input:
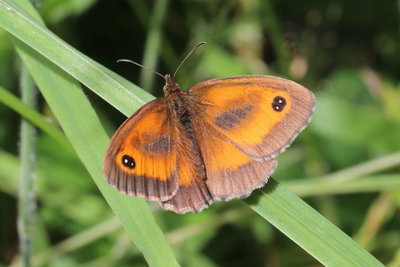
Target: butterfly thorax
{"points": [[177, 100], [181, 109]]}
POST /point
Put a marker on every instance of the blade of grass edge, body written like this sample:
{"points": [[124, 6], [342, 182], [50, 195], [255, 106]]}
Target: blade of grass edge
{"points": [[371, 183], [35, 118], [27, 193], [307, 227]]}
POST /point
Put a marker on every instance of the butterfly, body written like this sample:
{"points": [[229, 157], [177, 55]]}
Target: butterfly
{"points": [[218, 140]]}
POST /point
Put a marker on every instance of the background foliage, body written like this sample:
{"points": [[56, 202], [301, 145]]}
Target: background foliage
{"points": [[346, 52]]}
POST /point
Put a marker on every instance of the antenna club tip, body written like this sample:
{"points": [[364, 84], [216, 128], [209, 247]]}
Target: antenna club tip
{"points": [[200, 43]]}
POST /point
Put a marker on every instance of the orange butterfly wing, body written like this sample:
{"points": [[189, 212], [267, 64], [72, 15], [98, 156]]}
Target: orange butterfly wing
{"points": [[230, 173], [141, 159], [242, 124], [261, 115], [167, 167]]}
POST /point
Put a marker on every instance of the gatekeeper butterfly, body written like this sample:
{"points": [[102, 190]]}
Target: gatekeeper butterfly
{"points": [[216, 141]]}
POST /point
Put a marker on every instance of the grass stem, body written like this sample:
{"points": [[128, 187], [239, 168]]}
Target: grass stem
{"points": [[26, 195]]}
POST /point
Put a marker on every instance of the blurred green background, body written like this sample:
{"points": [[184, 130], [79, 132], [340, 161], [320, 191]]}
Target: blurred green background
{"points": [[346, 52]]}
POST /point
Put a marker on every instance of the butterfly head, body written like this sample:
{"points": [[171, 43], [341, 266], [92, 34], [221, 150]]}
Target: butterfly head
{"points": [[170, 86]]}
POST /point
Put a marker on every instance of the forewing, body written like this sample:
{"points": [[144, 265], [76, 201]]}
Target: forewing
{"points": [[141, 159], [260, 115]]}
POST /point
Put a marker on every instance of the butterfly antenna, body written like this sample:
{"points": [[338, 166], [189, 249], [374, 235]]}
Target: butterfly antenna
{"points": [[140, 65], [187, 56]]}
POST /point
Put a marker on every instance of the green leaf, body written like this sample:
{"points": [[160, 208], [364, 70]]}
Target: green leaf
{"points": [[308, 228], [27, 153], [318, 186], [34, 117]]}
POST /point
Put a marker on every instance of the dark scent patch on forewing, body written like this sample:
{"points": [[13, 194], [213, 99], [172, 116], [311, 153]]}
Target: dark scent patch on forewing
{"points": [[233, 118], [239, 113], [226, 121], [242, 113], [161, 145], [248, 107]]}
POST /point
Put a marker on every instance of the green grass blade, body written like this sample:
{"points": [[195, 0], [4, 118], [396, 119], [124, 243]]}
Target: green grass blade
{"points": [[9, 169], [76, 242], [308, 228], [372, 166], [271, 24], [26, 192], [152, 45], [35, 118], [142, 13], [373, 183]]}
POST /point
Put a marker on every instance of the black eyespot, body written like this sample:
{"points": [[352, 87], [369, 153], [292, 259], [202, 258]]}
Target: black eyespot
{"points": [[128, 162], [279, 103]]}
